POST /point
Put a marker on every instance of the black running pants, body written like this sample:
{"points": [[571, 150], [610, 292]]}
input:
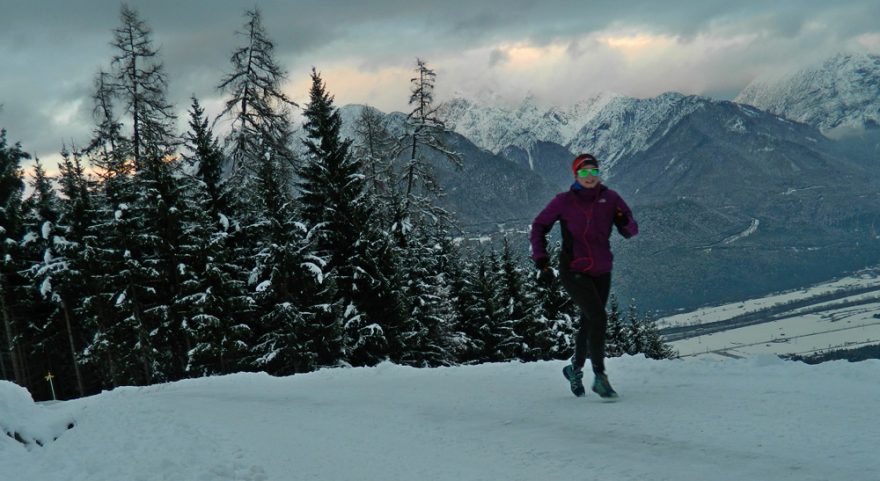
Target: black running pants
{"points": [[590, 294]]}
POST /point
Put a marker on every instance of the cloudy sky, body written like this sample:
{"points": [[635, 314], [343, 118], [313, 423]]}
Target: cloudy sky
{"points": [[560, 51]]}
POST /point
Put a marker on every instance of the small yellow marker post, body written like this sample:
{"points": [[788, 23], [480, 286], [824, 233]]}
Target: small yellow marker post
{"points": [[50, 377]]}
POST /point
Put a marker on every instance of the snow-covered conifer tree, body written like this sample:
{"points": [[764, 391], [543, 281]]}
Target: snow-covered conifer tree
{"points": [[297, 328], [47, 331], [655, 347], [219, 308], [616, 343], [336, 200], [206, 157], [517, 307], [11, 232], [554, 312], [490, 327], [635, 331]]}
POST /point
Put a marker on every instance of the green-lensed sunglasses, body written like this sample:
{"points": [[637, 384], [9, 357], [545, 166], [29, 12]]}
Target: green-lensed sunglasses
{"points": [[588, 172]]}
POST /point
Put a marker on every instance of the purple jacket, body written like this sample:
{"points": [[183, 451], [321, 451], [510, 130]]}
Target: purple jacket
{"points": [[586, 216]]}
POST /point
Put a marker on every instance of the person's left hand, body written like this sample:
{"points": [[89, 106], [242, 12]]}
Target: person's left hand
{"points": [[620, 218]]}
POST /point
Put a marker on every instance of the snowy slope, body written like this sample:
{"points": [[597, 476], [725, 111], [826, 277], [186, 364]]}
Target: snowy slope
{"points": [[759, 419], [840, 93]]}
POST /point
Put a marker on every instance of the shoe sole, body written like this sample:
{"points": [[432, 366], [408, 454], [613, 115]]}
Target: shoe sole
{"points": [[608, 399]]}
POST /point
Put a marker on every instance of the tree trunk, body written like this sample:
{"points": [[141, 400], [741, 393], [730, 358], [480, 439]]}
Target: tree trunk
{"points": [[2, 366], [79, 380], [10, 336], [135, 114], [146, 357]]}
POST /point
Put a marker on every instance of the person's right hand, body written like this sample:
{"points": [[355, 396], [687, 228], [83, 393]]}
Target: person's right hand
{"points": [[545, 272]]}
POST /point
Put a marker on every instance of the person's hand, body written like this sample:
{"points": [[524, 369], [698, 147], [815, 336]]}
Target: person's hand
{"points": [[620, 219], [545, 272], [546, 276]]}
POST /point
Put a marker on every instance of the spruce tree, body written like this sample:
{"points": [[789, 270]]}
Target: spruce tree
{"points": [[297, 329], [140, 233], [635, 331], [105, 350], [68, 268], [553, 310], [616, 343], [655, 347], [219, 307], [44, 331], [12, 284], [43, 202], [157, 264], [493, 330], [482, 328], [206, 157], [467, 314], [425, 338], [335, 198], [518, 307]]}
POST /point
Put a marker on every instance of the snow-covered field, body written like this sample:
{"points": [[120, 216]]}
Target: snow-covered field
{"points": [[806, 334], [867, 279], [694, 419], [842, 314]]}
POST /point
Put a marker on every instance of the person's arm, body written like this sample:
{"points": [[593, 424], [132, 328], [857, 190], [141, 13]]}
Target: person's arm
{"points": [[540, 227], [624, 220]]}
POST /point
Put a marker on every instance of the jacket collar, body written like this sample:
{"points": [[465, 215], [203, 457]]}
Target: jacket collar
{"points": [[587, 194]]}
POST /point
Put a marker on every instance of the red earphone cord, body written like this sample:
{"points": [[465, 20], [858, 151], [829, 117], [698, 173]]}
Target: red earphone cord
{"points": [[586, 229]]}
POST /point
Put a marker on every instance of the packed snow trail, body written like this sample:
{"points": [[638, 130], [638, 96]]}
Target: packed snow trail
{"points": [[677, 420]]}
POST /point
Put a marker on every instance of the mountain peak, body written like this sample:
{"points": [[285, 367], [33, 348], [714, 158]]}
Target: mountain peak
{"points": [[838, 94]]}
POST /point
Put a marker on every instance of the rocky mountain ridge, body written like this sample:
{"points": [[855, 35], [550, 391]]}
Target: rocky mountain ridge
{"points": [[840, 95]]}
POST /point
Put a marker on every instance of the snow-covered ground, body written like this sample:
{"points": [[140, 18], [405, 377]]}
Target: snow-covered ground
{"points": [[694, 419]]}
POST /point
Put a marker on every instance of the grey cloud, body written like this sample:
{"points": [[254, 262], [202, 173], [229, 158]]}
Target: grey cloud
{"points": [[51, 49], [497, 56]]}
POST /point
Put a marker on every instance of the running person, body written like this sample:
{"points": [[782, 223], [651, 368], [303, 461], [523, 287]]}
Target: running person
{"points": [[587, 213]]}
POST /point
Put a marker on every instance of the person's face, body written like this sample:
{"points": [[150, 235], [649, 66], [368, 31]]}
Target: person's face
{"points": [[588, 176]]}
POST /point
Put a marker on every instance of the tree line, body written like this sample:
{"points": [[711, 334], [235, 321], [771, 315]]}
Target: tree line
{"points": [[274, 247]]}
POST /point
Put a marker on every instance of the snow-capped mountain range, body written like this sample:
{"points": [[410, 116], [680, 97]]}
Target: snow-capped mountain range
{"points": [[611, 126], [837, 95], [495, 127]]}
